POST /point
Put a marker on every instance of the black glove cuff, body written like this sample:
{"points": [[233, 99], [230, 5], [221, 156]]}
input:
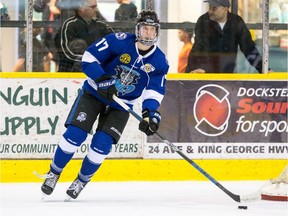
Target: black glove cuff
{"points": [[102, 78]]}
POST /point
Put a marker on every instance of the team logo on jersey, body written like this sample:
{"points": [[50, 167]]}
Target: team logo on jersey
{"points": [[120, 35], [212, 110], [126, 79], [125, 58], [147, 68], [81, 117]]}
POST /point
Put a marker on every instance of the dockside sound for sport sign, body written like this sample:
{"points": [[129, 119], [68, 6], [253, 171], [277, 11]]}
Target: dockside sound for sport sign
{"points": [[205, 119], [237, 119]]}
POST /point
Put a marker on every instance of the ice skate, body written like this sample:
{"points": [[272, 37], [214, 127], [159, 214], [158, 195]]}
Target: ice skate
{"points": [[75, 189], [50, 182]]}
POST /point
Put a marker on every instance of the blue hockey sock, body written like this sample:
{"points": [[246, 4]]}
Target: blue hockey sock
{"points": [[60, 160], [87, 170], [71, 140], [99, 149]]}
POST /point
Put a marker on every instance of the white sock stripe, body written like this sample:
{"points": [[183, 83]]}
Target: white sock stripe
{"points": [[95, 157], [67, 147], [53, 165]]}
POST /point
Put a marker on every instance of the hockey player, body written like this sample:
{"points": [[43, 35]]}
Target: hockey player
{"points": [[128, 65]]}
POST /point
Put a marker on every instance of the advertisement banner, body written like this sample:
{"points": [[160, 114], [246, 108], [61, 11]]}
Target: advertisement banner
{"points": [[223, 119], [205, 119], [33, 112]]}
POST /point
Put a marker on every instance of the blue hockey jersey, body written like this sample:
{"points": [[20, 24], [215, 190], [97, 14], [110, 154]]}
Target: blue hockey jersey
{"points": [[117, 55]]}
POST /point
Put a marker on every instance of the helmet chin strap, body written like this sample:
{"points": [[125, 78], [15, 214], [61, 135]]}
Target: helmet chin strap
{"points": [[147, 42], [142, 46]]}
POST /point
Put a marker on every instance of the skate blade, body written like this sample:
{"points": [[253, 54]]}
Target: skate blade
{"points": [[67, 199], [44, 196]]}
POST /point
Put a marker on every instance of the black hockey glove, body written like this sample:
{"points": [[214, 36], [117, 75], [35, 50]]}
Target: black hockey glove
{"points": [[150, 123], [106, 87]]}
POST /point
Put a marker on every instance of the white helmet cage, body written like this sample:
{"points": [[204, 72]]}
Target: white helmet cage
{"points": [[147, 17]]}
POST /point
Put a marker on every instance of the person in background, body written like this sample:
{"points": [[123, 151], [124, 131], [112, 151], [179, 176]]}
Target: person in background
{"points": [[81, 26], [4, 15], [127, 12], [68, 8], [49, 13], [218, 33], [185, 36], [130, 66], [41, 55]]}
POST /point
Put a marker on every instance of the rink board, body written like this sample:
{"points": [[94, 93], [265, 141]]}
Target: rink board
{"points": [[148, 170], [19, 170]]}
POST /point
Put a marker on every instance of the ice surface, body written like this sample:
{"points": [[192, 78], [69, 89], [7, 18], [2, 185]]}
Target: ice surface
{"points": [[180, 198]]}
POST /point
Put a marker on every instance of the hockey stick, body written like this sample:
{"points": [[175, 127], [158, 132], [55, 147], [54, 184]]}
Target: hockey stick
{"points": [[235, 197]]}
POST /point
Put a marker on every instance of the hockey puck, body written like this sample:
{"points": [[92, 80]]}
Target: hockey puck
{"points": [[242, 207]]}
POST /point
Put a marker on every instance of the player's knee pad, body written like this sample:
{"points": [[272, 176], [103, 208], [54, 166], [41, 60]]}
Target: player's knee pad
{"points": [[100, 147], [72, 139]]}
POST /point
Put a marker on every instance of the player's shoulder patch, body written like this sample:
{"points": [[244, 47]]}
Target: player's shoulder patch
{"points": [[120, 35]]}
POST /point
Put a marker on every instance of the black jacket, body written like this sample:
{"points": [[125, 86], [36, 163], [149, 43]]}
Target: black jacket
{"points": [[215, 50], [73, 39], [127, 13]]}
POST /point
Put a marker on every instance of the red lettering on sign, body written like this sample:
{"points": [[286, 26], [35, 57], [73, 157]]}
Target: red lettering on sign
{"points": [[246, 105]]}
